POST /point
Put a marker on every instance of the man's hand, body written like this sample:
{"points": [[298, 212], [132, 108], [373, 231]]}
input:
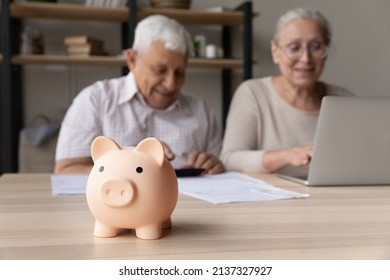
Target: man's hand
{"points": [[209, 162], [167, 151]]}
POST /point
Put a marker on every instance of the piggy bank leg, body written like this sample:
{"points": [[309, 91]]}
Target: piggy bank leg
{"points": [[102, 230], [149, 232], [167, 223]]}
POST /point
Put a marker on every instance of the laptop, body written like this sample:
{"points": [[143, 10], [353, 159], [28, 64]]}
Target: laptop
{"points": [[351, 144]]}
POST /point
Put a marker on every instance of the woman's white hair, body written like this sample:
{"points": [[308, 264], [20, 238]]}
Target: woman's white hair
{"points": [[303, 13], [159, 28]]}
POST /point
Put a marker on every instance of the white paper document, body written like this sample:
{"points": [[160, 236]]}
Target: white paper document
{"points": [[68, 184], [232, 187], [221, 188]]}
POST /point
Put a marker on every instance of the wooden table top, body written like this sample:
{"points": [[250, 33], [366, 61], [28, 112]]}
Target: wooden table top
{"points": [[350, 222]]}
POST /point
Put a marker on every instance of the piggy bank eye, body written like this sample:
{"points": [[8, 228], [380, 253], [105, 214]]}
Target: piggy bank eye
{"points": [[139, 169], [101, 168]]}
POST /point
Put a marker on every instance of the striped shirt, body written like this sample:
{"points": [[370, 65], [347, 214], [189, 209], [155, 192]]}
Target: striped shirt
{"points": [[114, 108]]}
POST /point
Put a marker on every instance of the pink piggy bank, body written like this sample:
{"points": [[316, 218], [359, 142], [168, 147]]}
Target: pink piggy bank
{"points": [[131, 188]]}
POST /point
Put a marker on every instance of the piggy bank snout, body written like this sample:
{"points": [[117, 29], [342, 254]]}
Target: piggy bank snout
{"points": [[117, 193]]}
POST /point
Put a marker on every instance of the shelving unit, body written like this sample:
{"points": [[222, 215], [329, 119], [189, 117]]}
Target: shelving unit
{"points": [[12, 62], [80, 12]]}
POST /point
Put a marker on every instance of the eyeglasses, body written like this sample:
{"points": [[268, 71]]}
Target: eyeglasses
{"points": [[317, 50]]}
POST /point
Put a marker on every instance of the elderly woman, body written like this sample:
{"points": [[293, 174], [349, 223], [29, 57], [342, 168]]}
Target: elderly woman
{"points": [[272, 120]]}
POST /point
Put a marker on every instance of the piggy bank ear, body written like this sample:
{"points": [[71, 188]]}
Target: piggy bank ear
{"points": [[102, 145], [153, 147]]}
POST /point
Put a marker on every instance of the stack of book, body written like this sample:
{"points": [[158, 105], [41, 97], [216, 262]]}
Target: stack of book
{"points": [[84, 46]]}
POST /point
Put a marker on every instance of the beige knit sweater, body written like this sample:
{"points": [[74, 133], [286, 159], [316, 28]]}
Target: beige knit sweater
{"points": [[260, 120]]}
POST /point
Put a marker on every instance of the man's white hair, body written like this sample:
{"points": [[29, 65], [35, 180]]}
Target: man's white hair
{"points": [[159, 28]]}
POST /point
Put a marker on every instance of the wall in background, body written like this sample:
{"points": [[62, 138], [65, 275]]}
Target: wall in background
{"points": [[358, 60]]}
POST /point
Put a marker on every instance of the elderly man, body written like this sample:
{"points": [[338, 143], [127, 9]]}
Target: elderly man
{"points": [[148, 102]]}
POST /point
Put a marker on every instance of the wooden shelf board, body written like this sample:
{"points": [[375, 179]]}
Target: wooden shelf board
{"points": [[116, 61], [68, 11], [78, 11], [66, 59], [216, 63], [231, 18]]}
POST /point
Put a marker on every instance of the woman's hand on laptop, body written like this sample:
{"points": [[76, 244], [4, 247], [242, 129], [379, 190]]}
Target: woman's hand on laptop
{"points": [[275, 160], [300, 156]]}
